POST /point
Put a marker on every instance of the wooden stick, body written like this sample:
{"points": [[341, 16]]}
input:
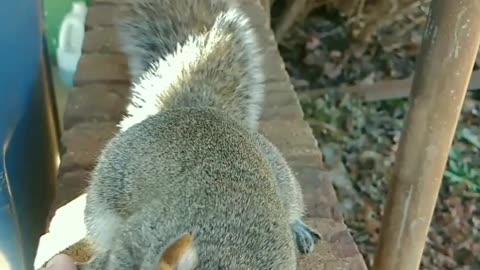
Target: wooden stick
{"points": [[267, 5], [401, 88], [287, 19], [383, 90], [444, 67]]}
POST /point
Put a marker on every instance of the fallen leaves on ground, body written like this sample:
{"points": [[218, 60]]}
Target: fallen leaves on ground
{"points": [[359, 139]]}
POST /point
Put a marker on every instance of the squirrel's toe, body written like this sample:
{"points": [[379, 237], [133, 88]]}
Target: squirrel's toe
{"points": [[305, 237]]}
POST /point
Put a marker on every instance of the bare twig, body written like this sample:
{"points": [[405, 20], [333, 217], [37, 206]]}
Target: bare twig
{"points": [[388, 89], [385, 16], [267, 4], [287, 19]]}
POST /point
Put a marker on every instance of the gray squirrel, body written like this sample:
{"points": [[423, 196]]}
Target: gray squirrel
{"points": [[189, 182]]}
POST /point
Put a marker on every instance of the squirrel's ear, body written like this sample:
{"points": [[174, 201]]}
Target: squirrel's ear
{"points": [[180, 254]]}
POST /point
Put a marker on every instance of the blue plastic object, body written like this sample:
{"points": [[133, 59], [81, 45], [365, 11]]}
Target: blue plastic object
{"points": [[28, 133]]}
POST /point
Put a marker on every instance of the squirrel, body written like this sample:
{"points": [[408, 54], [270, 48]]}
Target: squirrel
{"points": [[189, 182]]}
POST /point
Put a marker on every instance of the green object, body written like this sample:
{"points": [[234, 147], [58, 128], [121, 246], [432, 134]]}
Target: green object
{"points": [[54, 12]]}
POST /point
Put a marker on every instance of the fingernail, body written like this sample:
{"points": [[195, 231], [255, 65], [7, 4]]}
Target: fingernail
{"points": [[51, 263], [54, 261]]}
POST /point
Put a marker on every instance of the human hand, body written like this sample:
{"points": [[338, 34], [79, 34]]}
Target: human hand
{"points": [[61, 262]]}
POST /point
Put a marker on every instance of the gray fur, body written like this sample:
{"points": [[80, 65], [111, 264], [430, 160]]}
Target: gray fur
{"points": [[181, 52], [189, 159], [290, 194]]}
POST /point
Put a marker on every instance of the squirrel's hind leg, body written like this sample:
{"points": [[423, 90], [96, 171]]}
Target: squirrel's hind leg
{"points": [[305, 237], [291, 196], [99, 261], [102, 225]]}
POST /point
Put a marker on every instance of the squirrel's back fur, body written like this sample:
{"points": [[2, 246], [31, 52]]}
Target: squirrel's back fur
{"points": [[215, 183], [192, 53], [189, 182]]}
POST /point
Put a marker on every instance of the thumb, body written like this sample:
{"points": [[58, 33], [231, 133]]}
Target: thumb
{"points": [[61, 262]]}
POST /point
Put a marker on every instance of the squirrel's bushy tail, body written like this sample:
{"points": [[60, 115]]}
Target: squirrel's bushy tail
{"points": [[192, 53]]}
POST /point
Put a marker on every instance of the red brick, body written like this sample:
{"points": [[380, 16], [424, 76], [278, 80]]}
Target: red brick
{"points": [[311, 160], [118, 2], [288, 112], [275, 94], [275, 68], [95, 103], [343, 245], [83, 144], [324, 256], [348, 264], [318, 193], [102, 15], [293, 138], [282, 105], [96, 67], [70, 186], [101, 39]]}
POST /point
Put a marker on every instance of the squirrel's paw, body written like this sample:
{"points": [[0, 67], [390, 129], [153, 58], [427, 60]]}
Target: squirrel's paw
{"points": [[305, 237], [95, 263], [83, 266]]}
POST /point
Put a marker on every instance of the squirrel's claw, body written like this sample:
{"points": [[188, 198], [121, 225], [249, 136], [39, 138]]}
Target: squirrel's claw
{"points": [[305, 237]]}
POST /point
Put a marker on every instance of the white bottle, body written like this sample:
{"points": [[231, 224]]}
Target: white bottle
{"points": [[70, 42]]}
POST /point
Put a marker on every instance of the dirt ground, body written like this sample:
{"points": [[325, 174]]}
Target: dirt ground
{"points": [[359, 138]]}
